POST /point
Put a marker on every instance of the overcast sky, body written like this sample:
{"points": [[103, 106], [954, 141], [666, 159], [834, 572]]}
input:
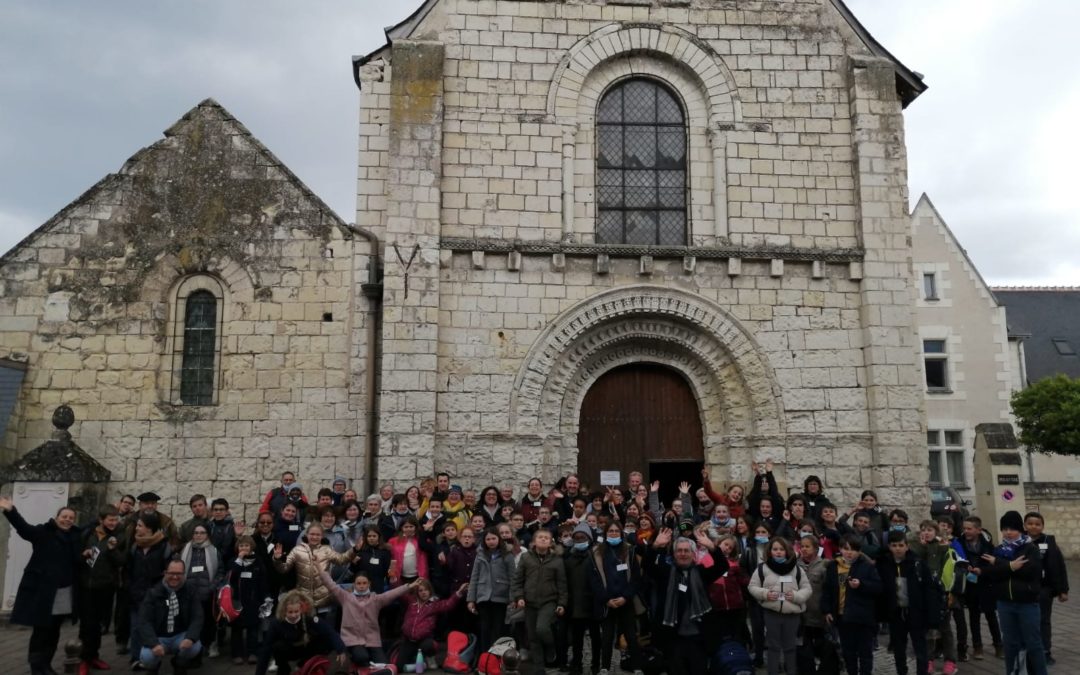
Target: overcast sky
{"points": [[994, 142]]}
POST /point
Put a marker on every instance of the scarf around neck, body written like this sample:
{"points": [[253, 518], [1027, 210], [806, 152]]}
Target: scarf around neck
{"points": [[148, 540], [1008, 550], [209, 558], [698, 598]]}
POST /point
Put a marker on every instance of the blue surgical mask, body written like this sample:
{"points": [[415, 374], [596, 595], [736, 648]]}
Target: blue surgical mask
{"points": [[614, 541], [761, 540], [898, 528], [360, 594], [780, 560], [581, 545]]}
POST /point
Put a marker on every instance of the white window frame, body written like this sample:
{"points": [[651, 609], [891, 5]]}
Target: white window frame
{"points": [[943, 357], [942, 448]]}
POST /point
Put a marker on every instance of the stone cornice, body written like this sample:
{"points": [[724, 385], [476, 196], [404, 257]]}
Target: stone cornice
{"points": [[790, 253]]}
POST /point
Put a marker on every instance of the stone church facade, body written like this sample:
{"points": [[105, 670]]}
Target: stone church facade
{"points": [[558, 203]]}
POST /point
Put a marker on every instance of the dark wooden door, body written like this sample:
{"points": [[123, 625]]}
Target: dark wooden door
{"points": [[634, 415]]}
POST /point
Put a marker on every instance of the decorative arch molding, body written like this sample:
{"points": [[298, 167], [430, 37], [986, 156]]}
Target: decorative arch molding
{"points": [[171, 272], [698, 338], [666, 43]]}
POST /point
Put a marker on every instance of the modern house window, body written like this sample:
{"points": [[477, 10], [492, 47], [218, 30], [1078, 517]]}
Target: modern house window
{"points": [[936, 365], [199, 363], [929, 282], [946, 447], [641, 165]]}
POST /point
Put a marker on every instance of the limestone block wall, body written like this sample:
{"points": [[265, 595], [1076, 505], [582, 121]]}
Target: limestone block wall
{"points": [[1059, 504], [790, 308], [93, 301]]}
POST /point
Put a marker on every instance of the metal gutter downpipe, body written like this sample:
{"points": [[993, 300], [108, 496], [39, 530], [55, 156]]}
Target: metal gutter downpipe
{"points": [[372, 290]]}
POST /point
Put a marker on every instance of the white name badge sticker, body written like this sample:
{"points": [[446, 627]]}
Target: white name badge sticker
{"points": [[245, 575], [682, 588], [787, 579], [294, 528], [1044, 546], [373, 561], [622, 567], [536, 504], [197, 568]]}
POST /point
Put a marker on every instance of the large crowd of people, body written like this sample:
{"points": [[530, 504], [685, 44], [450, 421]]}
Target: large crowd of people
{"points": [[690, 585]]}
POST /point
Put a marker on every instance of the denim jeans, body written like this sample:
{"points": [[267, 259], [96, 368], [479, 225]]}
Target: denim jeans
{"points": [[172, 646], [1020, 631]]}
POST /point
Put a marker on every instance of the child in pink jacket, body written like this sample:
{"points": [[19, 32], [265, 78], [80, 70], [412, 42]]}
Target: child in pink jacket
{"points": [[418, 626], [360, 616]]}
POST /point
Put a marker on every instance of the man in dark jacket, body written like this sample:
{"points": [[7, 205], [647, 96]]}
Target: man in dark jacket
{"points": [[170, 621], [911, 601], [1016, 569], [105, 556], [683, 600], [1055, 579]]}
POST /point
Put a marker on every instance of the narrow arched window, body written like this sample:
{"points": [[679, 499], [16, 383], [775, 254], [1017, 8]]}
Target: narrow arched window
{"points": [[200, 349], [641, 165]]}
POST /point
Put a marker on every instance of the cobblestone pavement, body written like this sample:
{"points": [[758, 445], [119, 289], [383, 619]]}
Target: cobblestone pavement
{"points": [[13, 641]]}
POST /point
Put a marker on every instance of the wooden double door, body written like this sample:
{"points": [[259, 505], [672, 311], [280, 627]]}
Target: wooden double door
{"points": [[641, 417]]}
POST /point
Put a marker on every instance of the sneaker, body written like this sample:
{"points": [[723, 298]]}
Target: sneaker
{"points": [[964, 656], [272, 668], [137, 665], [213, 651], [949, 668], [977, 653]]}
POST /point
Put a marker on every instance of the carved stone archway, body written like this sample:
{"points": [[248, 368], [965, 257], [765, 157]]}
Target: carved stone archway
{"points": [[731, 379]]}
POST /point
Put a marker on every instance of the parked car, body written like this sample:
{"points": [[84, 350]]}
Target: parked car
{"points": [[946, 500]]}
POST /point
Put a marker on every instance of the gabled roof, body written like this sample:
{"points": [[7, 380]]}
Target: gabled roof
{"points": [[923, 204], [909, 84], [208, 108], [1046, 314]]}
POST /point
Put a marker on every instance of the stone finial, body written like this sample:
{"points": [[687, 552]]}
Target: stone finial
{"points": [[63, 417], [72, 648]]}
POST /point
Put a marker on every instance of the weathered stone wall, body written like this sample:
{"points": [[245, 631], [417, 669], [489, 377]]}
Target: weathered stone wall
{"points": [[1059, 503], [796, 165], [91, 301]]}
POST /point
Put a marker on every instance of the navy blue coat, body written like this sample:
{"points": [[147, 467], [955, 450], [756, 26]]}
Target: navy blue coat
{"points": [[860, 604], [53, 564]]}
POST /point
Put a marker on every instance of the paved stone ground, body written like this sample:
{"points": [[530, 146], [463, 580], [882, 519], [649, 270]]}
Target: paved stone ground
{"points": [[13, 641]]}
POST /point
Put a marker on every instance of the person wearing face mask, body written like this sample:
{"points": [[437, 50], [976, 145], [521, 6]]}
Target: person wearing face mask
{"points": [[1015, 568], [360, 609], [615, 581], [754, 554], [295, 635], [782, 590], [578, 562], [721, 523], [46, 594], [308, 559], [489, 587], [392, 522]]}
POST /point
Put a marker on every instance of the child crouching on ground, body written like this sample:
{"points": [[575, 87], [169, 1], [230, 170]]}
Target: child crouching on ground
{"points": [[360, 616], [418, 626]]}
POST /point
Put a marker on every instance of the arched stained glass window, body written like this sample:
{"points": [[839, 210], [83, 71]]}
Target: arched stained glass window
{"points": [[641, 166], [200, 349]]}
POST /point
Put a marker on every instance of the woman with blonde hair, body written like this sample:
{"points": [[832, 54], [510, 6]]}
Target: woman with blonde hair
{"points": [[295, 635], [308, 559]]}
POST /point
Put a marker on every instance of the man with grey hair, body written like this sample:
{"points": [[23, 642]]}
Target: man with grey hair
{"points": [[682, 581]]}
